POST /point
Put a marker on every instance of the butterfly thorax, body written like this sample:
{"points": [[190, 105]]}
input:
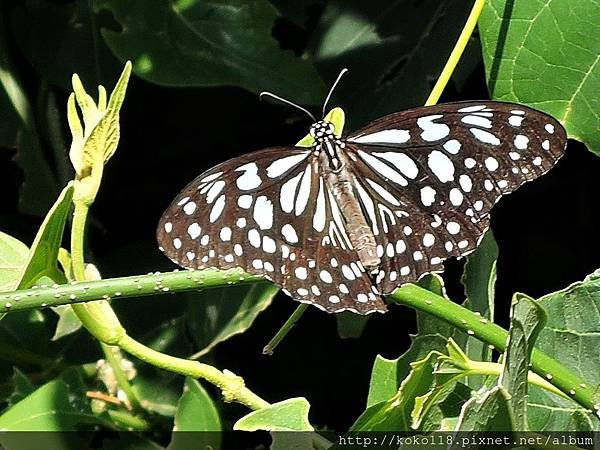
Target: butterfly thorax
{"points": [[340, 181]]}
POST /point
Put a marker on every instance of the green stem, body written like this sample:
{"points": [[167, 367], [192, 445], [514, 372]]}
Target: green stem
{"points": [[466, 320], [99, 318], [114, 358], [284, 330], [457, 52], [409, 295], [231, 385]]}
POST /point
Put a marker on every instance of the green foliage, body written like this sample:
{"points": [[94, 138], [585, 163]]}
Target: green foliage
{"points": [[554, 43], [287, 415], [212, 43], [540, 53], [528, 319], [195, 412]]}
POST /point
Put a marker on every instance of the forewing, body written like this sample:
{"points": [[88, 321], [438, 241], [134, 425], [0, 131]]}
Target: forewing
{"points": [[433, 174], [270, 213]]}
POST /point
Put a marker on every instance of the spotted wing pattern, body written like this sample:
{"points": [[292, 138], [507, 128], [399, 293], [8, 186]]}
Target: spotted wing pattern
{"points": [[271, 213], [425, 179], [428, 177]]}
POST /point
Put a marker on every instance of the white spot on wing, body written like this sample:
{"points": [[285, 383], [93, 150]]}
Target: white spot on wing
{"points": [[250, 179], [263, 213], [402, 162], [383, 192], [288, 192], [304, 192], [432, 131], [194, 230], [452, 146], [469, 109], [392, 136], [427, 195], [289, 233], [521, 141], [476, 120], [484, 136], [319, 216], [383, 169], [217, 208], [214, 190], [282, 165], [441, 166]]}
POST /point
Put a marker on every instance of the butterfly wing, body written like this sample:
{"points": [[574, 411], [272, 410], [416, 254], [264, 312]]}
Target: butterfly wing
{"points": [[270, 213], [428, 177]]}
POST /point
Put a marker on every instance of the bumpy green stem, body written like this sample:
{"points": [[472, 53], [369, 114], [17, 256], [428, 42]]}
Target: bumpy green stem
{"points": [[492, 334], [409, 295]]}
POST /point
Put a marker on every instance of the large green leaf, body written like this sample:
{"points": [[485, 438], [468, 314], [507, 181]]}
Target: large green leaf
{"points": [[546, 53], [209, 43], [215, 315], [571, 336], [527, 320], [59, 405], [394, 50], [13, 256], [479, 279], [196, 412]]}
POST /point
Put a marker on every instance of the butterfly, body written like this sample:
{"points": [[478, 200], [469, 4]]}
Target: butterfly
{"points": [[340, 221]]}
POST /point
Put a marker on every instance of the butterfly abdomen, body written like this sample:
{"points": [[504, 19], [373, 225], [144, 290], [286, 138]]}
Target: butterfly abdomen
{"points": [[361, 236]]}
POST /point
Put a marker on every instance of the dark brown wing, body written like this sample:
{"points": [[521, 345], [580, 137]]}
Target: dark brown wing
{"points": [[428, 177], [270, 213]]}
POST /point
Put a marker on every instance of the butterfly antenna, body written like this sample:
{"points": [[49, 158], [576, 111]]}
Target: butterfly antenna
{"points": [[335, 83], [287, 102]]}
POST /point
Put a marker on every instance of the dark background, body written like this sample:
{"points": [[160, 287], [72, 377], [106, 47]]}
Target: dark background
{"points": [[546, 231]]}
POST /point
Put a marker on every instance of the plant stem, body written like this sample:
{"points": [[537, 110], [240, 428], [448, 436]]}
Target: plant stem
{"points": [[457, 52], [99, 318], [492, 334], [231, 385], [114, 357], [285, 328], [409, 295]]}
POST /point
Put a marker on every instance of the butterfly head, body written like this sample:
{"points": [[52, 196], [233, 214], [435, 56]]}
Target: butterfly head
{"points": [[321, 130]]}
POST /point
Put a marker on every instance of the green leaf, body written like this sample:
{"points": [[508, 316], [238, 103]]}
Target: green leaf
{"points": [[485, 412], [384, 380], [394, 414], [394, 50], [196, 412], [432, 334], [571, 336], [59, 405], [68, 322], [215, 315], [479, 279], [13, 256], [527, 320], [95, 141], [288, 415], [535, 53], [209, 43], [44, 250]]}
